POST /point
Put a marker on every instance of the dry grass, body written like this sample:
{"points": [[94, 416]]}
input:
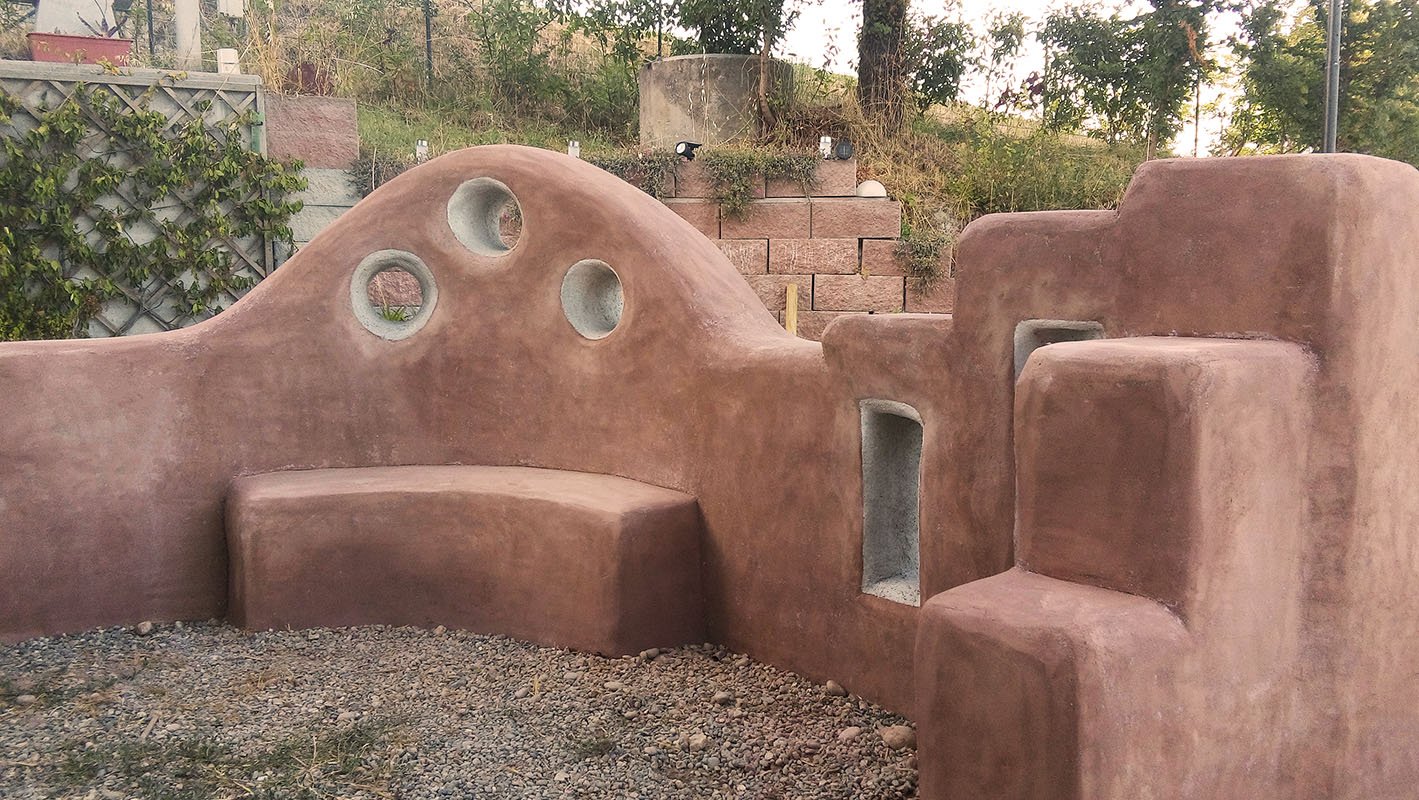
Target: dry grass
{"points": [[948, 170]]}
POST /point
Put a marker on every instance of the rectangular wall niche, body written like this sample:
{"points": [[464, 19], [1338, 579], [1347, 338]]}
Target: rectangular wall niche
{"points": [[1032, 334], [891, 501]]}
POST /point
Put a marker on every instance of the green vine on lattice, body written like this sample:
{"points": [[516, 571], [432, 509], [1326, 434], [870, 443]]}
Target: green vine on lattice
{"points": [[83, 193], [735, 172]]}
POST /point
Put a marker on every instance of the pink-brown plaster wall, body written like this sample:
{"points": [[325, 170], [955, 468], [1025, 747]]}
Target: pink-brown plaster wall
{"points": [[1319, 252], [114, 510], [118, 455]]}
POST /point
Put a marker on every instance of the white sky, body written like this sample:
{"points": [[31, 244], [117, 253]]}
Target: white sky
{"points": [[825, 23]]}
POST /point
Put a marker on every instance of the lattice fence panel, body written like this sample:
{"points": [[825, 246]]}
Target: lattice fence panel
{"points": [[180, 97]]}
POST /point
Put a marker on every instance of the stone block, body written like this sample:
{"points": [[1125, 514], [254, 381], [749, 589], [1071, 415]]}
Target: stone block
{"points": [[693, 180], [327, 187], [772, 289], [311, 220], [879, 257], [834, 179], [851, 218], [395, 287], [783, 218], [320, 131], [938, 298], [703, 214], [749, 256], [857, 293], [809, 256]]}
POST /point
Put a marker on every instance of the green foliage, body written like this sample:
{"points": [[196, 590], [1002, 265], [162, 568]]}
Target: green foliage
{"points": [[80, 186], [372, 169], [516, 51], [937, 53], [621, 26], [394, 313], [652, 171], [588, 747], [881, 61], [1000, 49], [736, 171], [730, 26], [1129, 77], [999, 172], [920, 253], [526, 52], [1283, 80], [390, 129], [321, 764]]}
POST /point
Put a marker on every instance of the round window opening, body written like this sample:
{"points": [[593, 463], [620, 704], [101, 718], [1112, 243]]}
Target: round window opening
{"points": [[485, 217], [393, 293], [592, 298]]}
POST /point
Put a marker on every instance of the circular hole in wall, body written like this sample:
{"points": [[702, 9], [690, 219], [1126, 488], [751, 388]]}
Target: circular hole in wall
{"points": [[592, 298], [393, 293], [485, 216]]}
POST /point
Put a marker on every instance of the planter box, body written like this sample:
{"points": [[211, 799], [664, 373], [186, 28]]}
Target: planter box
{"points": [[63, 48]]}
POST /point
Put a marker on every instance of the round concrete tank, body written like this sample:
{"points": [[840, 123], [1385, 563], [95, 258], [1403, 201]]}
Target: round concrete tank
{"points": [[707, 98]]}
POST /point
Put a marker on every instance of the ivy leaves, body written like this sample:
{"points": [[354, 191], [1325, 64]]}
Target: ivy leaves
{"points": [[99, 199], [733, 172]]}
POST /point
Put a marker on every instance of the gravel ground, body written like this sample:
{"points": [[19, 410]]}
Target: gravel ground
{"points": [[206, 710]]}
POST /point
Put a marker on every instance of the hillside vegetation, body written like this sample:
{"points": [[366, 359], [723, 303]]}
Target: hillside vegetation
{"points": [[542, 74], [511, 71]]}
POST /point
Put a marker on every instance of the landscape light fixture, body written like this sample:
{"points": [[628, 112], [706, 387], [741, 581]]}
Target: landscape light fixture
{"points": [[825, 147], [686, 150], [844, 150]]}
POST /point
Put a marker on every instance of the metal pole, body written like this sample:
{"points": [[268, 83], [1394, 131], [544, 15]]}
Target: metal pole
{"points": [[1197, 116], [152, 50], [429, 43], [1332, 74]]}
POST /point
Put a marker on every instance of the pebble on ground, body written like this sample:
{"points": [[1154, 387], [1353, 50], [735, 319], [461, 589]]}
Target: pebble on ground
{"points": [[209, 711]]}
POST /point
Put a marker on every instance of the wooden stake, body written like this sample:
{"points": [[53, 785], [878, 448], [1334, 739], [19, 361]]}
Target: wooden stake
{"points": [[790, 309]]}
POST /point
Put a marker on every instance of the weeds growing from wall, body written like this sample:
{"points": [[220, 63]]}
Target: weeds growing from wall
{"points": [[652, 171], [736, 171]]}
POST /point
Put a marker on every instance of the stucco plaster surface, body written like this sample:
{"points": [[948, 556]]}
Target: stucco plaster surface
{"points": [[1204, 589]]}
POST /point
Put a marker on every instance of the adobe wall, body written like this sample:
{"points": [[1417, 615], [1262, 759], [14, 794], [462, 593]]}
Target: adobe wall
{"points": [[1318, 251], [289, 379], [111, 511]]}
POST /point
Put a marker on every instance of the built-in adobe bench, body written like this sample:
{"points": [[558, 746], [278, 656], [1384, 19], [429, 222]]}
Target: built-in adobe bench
{"points": [[572, 559]]}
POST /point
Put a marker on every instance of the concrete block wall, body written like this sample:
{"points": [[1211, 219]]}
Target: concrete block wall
{"points": [[838, 249], [323, 133]]}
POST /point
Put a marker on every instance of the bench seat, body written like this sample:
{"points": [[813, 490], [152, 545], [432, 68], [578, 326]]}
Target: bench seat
{"points": [[571, 559]]}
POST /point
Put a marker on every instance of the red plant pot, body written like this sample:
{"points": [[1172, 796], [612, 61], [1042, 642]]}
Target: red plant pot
{"points": [[68, 49]]}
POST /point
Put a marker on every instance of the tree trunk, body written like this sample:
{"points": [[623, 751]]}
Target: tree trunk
{"points": [[881, 82]]}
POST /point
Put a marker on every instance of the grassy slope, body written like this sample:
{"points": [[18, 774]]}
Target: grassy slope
{"points": [[385, 128]]}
